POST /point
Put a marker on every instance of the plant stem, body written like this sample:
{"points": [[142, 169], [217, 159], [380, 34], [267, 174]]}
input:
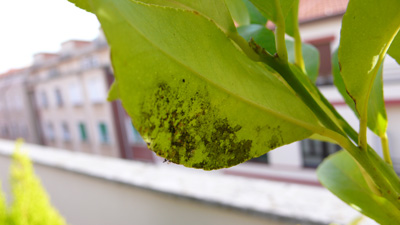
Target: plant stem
{"points": [[280, 33], [385, 149], [282, 67], [298, 56], [244, 45], [373, 167]]}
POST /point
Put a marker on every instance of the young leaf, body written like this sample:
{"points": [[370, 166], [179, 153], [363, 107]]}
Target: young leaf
{"points": [[270, 8], [191, 93], [215, 10], [340, 174], [260, 34], [239, 12], [113, 93], [377, 119], [311, 58], [256, 17], [290, 24], [394, 50], [368, 28]]}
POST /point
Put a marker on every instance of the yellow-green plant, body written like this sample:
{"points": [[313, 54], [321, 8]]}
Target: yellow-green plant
{"points": [[3, 207], [209, 93], [30, 205]]}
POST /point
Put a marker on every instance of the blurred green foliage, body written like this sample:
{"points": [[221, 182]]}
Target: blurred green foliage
{"points": [[30, 205]]}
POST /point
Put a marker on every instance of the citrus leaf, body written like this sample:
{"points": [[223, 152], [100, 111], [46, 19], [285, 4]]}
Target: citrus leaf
{"points": [[239, 12], [290, 24], [394, 50], [340, 174], [215, 10], [368, 29], [191, 93], [377, 119], [311, 58], [256, 17], [261, 35], [269, 7], [113, 93]]}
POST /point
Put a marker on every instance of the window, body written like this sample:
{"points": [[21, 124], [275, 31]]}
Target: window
{"points": [[49, 131], [103, 132], [66, 133], [133, 135], [315, 151], [59, 100], [325, 68], [88, 62], [53, 73], [43, 101], [260, 159], [83, 132], [96, 90], [75, 94]]}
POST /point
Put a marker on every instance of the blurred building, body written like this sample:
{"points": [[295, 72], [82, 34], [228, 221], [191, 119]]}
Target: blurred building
{"points": [[61, 101], [16, 110]]}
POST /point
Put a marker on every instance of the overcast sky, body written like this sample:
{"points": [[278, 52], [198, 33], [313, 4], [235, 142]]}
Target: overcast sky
{"points": [[31, 26]]}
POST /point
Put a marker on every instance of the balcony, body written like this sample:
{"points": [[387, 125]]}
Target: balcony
{"points": [[89, 189]]}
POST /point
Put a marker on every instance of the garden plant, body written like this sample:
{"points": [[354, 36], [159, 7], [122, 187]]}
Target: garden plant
{"points": [[209, 86], [30, 203]]}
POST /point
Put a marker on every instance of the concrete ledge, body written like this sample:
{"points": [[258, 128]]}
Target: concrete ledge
{"points": [[284, 202]]}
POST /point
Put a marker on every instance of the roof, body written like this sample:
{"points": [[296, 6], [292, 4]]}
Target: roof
{"points": [[12, 72], [317, 9]]}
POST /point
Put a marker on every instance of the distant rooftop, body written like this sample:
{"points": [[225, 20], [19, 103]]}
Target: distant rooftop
{"points": [[11, 72], [317, 9]]}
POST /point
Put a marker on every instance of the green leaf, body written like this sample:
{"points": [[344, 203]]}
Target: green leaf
{"points": [[215, 10], [113, 93], [339, 83], [261, 35], [394, 50], [377, 119], [256, 17], [368, 28], [270, 8], [340, 174], [191, 93], [290, 22], [311, 58], [239, 12]]}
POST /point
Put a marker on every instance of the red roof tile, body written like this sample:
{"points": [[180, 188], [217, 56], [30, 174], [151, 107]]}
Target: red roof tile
{"points": [[315, 9]]}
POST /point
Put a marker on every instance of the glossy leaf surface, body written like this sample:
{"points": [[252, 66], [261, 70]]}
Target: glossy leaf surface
{"points": [[394, 50], [365, 37], [270, 8], [239, 12], [377, 119], [290, 24], [311, 58], [261, 35], [341, 175], [191, 93], [256, 17]]}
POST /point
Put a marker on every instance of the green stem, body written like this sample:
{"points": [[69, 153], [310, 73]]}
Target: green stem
{"points": [[244, 45], [373, 167], [282, 67], [385, 149], [280, 33], [298, 56]]}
